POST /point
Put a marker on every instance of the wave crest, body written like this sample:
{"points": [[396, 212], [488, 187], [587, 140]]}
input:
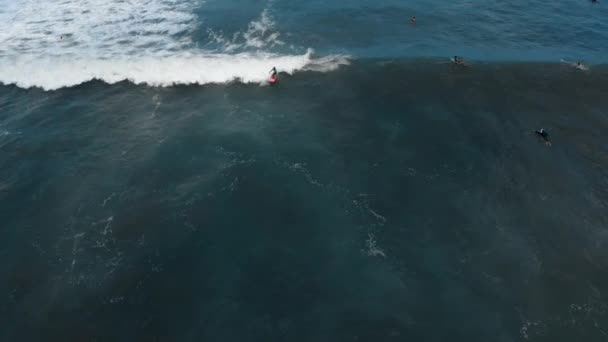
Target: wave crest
{"points": [[57, 72]]}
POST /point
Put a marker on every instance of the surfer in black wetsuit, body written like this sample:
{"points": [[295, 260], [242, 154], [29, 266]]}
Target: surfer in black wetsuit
{"points": [[458, 60], [273, 75], [543, 134]]}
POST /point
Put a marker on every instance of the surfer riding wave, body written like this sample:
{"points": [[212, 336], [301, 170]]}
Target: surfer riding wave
{"points": [[273, 75]]}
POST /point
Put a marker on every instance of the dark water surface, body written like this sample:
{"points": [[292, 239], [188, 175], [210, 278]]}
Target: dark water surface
{"points": [[347, 206]]}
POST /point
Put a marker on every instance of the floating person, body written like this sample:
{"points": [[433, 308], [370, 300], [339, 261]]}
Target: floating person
{"points": [[273, 75], [458, 61], [581, 66], [577, 65], [544, 135], [413, 20]]}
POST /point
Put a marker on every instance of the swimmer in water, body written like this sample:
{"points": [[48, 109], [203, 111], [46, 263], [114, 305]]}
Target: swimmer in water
{"points": [[577, 65], [413, 20], [458, 60], [544, 135], [580, 66]]}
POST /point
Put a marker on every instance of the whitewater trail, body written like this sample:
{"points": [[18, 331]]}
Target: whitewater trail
{"points": [[55, 73], [141, 41]]}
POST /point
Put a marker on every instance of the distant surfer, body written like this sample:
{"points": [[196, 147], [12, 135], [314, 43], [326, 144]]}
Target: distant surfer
{"points": [[273, 75], [458, 61], [577, 65], [413, 20], [580, 66], [544, 135]]}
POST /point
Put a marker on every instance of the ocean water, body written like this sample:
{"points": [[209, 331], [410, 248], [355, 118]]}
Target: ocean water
{"points": [[153, 187]]}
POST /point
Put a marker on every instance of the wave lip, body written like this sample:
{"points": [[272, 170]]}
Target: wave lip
{"points": [[80, 41], [57, 72]]}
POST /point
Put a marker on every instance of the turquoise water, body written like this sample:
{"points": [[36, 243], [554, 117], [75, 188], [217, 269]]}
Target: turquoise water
{"points": [[153, 188]]}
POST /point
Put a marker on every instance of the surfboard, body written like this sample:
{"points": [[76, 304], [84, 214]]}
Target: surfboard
{"points": [[272, 79]]}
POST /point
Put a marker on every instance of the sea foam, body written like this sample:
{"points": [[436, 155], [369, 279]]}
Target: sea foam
{"points": [[57, 72], [50, 45]]}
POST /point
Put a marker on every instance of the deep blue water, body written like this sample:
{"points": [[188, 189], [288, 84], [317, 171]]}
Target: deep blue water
{"points": [[376, 193], [489, 31]]}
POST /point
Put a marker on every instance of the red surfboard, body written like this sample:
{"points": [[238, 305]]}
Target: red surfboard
{"points": [[273, 79]]}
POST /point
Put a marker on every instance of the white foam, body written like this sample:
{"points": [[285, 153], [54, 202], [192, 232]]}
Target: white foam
{"points": [[56, 72], [371, 247], [94, 27], [261, 34], [61, 43]]}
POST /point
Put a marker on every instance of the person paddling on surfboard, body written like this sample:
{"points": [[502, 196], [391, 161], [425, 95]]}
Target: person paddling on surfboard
{"points": [[581, 66], [544, 135], [273, 75]]}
